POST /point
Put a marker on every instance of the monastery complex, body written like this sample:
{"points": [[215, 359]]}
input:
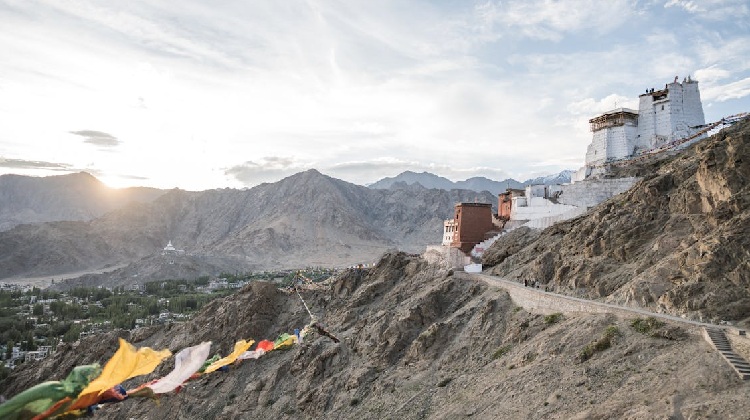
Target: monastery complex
{"points": [[663, 117], [666, 119]]}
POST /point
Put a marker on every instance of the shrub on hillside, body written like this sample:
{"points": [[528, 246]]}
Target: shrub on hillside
{"points": [[603, 343]]}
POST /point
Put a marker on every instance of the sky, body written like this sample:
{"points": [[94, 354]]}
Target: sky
{"points": [[200, 95]]}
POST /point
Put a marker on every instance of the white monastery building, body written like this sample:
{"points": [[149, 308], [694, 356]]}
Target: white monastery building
{"points": [[663, 116]]}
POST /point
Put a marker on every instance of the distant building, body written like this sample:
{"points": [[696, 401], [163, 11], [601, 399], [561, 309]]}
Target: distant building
{"points": [[505, 202], [170, 252], [34, 355], [473, 221], [169, 248], [449, 230], [135, 287]]}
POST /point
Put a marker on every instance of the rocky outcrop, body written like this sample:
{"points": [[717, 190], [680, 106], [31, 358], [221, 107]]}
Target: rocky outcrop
{"points": [[678, 241]]}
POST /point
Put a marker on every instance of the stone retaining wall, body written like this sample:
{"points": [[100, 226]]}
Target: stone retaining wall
{"points": [[591, 192], [538, 301]]}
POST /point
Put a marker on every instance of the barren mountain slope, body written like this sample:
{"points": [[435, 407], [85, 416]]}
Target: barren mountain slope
{"points": [[678, 241], [418, 342], [305, 219], [73, 197]]}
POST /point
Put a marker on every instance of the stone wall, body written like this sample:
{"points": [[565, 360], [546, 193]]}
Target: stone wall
{"points": [[611, 143], [538, 301], [540, 210], [545, 222], [591, 192]]}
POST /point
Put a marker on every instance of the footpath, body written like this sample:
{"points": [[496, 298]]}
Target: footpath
{"points": [[539, 301]]}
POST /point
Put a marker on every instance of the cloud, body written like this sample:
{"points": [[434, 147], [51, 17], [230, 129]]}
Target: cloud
{"points": [[590, 107], [713, 9], [266, 169], [34, 164], [97, 138], [711, 74], [551, 20], [687, 5], [733, 90]]}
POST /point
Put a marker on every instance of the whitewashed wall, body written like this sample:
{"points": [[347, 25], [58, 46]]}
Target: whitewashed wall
{"points": [[539, 208], [591, 192]]}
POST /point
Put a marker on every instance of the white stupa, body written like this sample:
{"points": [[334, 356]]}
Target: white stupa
{"points": [[169, 247]]}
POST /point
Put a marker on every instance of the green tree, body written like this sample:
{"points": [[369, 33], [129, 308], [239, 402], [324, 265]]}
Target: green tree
{"points": [[38, 309], [153, 287], [4, 372], [72, 334]]}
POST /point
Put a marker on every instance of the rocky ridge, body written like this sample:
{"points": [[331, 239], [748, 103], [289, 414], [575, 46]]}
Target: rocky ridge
{"points": [[73, 197], [677, 242], [428, 180]]}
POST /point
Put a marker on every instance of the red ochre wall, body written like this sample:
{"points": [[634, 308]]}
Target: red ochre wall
{"points": [[474, 220], [504, 204]]}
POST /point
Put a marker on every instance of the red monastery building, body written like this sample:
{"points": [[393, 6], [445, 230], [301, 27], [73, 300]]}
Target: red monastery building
{"points": [[472, 221]]}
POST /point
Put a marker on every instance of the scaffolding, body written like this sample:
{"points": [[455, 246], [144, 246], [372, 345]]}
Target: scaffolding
{"points": [[614, 118]]}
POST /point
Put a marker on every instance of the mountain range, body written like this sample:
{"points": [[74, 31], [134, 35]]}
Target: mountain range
{"points": [[74, 197], [305, 219], [82, 197], [478, 184]]}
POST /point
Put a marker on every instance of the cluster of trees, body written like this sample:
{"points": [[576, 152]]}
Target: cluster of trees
{"points": [[313, 273], [61, 318]]}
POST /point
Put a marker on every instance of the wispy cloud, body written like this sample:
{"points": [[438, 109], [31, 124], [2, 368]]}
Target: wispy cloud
{"points": [[734, 90], [266, 169], [551, 20], [97, 138], [713, 9], [34, 164], [687, 5]]}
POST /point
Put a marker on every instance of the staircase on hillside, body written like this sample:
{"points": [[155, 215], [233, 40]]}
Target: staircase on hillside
{"points": [[718, 339], [479, 248]]}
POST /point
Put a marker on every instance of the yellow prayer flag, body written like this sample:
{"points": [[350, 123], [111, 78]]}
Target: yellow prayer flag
{"points": [[239, 348], [126, 363]]}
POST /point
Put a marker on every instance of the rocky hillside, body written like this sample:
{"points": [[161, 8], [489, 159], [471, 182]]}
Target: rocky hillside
{"points": [[305, 219], [74, 197], [418, 342], [677, 242]]}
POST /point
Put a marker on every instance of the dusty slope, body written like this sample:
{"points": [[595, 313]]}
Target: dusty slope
{"points": [[422, 343], [305, 219], [678, 241]]}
